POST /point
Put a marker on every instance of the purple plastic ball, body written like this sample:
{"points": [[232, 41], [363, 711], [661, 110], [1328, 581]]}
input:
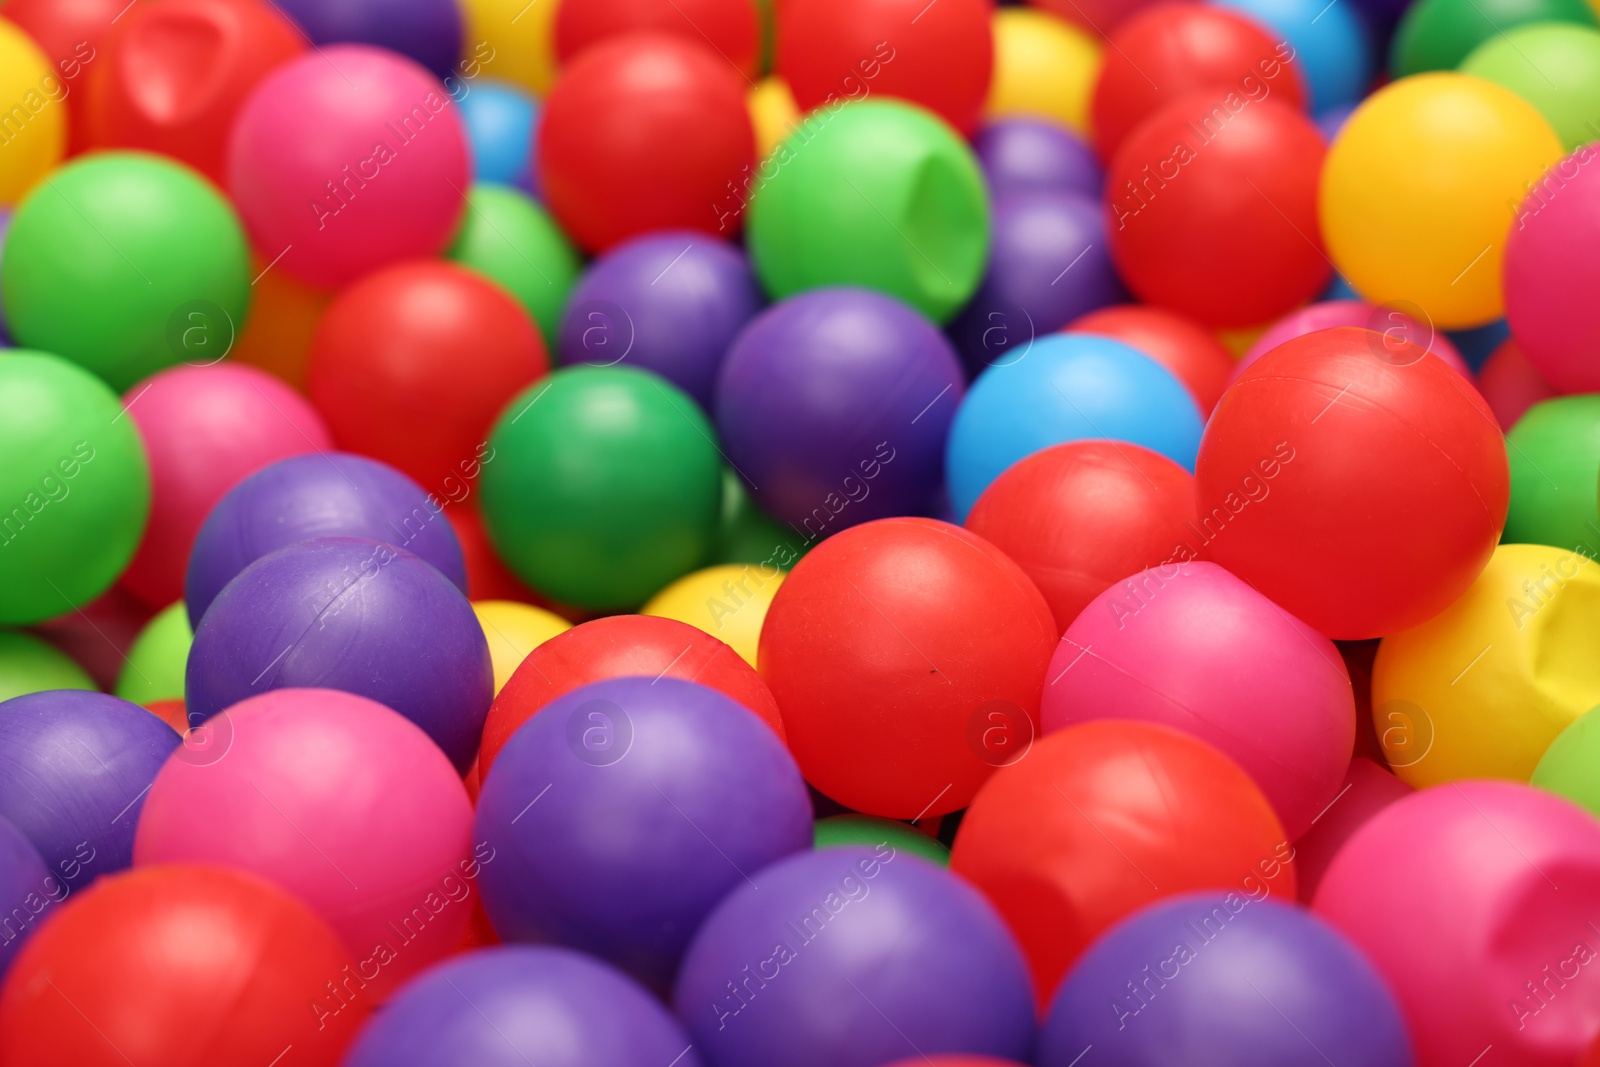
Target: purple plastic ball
{"points": [[323, 495], [1223, 980], [853, 957], [27, 891], [1049, 262], [1030, 156], [834, 407], [521, 1006], [640, 782], [351, 614], [428, 31], [667, 302], [74, 769]]}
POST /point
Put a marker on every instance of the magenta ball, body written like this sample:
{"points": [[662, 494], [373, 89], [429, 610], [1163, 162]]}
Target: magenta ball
{"points": [[354, 615], [338, 800], [1190, 646], [204, 429], [1475, 901], [1385, 321], [1552, 272], [345, 160]]}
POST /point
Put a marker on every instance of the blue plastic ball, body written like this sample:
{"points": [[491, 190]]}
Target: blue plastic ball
{"points": [[500, 122], [1332, 46]]}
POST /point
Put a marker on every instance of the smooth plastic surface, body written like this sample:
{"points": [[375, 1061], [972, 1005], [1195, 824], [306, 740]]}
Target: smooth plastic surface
{"points": [[29, 665], [1550, 267], [1510, 385], [1031, 155], [1393, 323], [1554, 451], [728, 27], [427, 31], [1555, 66], [512, 240], [155, 663], [729, 601], [1190, 351]]}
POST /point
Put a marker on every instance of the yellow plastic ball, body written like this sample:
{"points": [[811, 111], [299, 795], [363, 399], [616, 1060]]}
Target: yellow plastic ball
{"points": [[729, 602], [1420, 190], [513, 630], [521, 34], [33, 114], [1044, 67], [773, 113], [1481, 689]]}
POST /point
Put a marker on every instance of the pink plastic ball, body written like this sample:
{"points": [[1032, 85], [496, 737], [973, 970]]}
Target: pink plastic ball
{"points": [[1476, 900], [1386, 321], [204, 429], [1190, 646], [1552, 272], [340, 801], [1510, 383], [345, 160]]}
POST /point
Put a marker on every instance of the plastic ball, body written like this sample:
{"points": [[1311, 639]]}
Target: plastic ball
{"points": [[29, 665], [605, 487], [283, 319], [846, 831], [36, 134], [1178, 343], [1440, 690], [1171, 50], [155, 665], [172, 76], [666, 302], [1549, 271], [126, 263], [389, 140], [1566, 768], [513, 630], [354, 615], [181, 965], [937, 657], [74, 768], [513, 241], [67, 34], [1368, 788], [386, 869], [519, 38], [1414, 193], [1068, 388], [427, 31], [204, 429], [647, 103], [1211, 206], [834, 407], [327, 495], [940, 58], [622, 646], [1555, 66], [509, 1007], [1510, 385], [1555, 463], [75, 485], [501, 120], [847, 956], [27, 889], [773, 113], [1022, 155], [1043, 66], [1440, 34], [651, 781], [1332, 47], [1489, 943], [1354, 481], [1394, 325], [1237, 977], [916, 225], [1048, 264], [1081, 516], [728, 27], [730, 602]]}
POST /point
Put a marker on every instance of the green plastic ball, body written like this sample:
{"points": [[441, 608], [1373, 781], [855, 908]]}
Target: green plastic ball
{"points": [[155, 665], [746, 534], [74, 486], [842, 831], [29, 665], [126, 263], [1439, 34], [606, 484], [1554, 451], [880, 194], [1570, 767], [1555, 66], [509, 238]]}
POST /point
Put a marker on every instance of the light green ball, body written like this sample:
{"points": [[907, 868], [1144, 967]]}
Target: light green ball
{"points": [[510, 239], [155, 665], [1571, 765], [1555, 66], [29, 665]]}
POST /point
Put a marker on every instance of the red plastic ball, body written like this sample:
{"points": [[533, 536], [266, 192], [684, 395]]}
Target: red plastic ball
{"points": [[71, 33], [908, 656], [1082, 516], [729, 27], [1212, 211], [1104, 818], [643, 133], [173, 75], [1178, 343], [1510, 384], [180, 966], [938, 55], [621, 646], [412, 364], [1166, 52], [1359, 485]]}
